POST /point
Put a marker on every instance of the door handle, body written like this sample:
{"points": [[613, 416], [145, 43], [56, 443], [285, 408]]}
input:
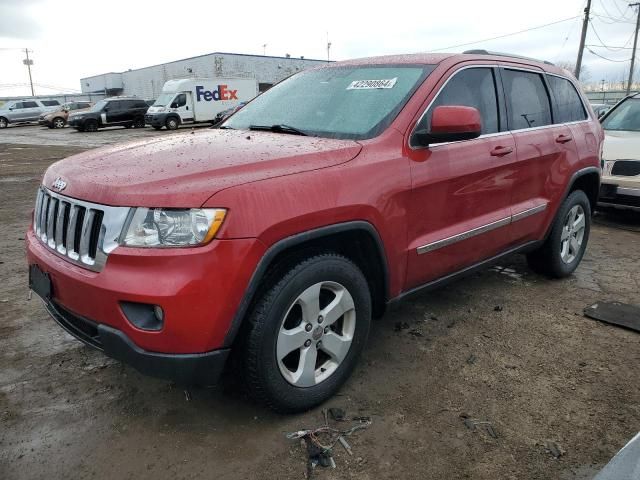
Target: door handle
{"points": [[500, 151], [564, 138]]}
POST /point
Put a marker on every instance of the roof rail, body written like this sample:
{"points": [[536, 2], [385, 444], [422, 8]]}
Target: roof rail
{"points": [[487, 52]]}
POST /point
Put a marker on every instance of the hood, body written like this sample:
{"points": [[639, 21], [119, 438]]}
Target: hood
{"points": [[184, 170], [620, 145]]}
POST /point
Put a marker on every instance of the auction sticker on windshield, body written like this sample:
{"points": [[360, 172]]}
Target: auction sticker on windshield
{"points": [[372, 84]]}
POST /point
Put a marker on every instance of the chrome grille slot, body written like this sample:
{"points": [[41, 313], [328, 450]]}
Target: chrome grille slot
{"points": [[84, 233]]}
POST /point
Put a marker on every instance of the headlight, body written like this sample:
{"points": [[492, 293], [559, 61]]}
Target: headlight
{"points": [[161, 227]]}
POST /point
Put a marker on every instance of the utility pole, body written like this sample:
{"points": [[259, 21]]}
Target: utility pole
{"points": [[635, 44], [328, 47], [585, 25], [28, 62]]}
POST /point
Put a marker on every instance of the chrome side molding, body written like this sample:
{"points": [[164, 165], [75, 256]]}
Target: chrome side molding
{"points": [[503, 222]]}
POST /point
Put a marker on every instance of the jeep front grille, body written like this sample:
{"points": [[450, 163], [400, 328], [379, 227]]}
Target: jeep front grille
{"points": [[84, 233]]}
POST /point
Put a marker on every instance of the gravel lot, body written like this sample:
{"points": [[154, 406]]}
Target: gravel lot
{"points": [[505, 346]]}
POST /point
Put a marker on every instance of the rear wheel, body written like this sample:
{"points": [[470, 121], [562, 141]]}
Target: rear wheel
{"points": [[90, 125], [58, 122], [306, 333], [138, 122], [564, 248], [172, 123], [3, 122]]}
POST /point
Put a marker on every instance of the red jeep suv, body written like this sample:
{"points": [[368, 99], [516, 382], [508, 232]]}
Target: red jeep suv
{"points": [[278, 236]]}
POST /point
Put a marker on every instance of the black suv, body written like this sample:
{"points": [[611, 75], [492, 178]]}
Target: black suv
{"points": [[110, 112]]}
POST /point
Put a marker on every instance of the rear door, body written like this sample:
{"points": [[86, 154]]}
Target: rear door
{"points": [[459, 212], [545, 149], [31, 110]]}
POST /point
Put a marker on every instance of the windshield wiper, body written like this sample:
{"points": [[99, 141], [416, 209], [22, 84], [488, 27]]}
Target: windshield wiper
{"points": [[279, 128]]}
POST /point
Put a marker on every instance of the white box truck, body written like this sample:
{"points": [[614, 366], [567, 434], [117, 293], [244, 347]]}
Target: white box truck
{"points": [[198, 100]]}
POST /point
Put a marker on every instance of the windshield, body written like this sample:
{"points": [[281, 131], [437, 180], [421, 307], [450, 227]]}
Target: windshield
{"points": [[164, 99], [98, 106], [625, 116], [336, 102]]}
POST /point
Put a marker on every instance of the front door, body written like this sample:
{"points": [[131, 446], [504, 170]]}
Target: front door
{"points": [[182, 106], [459, 211]]}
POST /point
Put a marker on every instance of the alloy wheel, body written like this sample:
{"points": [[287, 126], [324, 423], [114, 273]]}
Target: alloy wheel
{"points": [[572, 234], [315, 334]]}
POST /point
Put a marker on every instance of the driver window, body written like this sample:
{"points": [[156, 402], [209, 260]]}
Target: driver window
{"points": [[180, 101], [472, 87]]}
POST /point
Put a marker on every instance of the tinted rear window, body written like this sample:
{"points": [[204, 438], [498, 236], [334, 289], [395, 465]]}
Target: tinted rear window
{"points": [[50, 103], [29, 104], [570, 107], [527, 98]]}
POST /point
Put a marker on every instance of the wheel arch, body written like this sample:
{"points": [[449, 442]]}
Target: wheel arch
{"points": [[357, 240], [587, 180]]}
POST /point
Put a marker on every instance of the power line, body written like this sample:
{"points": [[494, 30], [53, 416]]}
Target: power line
{"points": [[608, 59], [611, 16], [602, 42], [615, 20], [505, 35]]}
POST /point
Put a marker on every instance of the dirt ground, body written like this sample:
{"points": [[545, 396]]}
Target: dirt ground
{"points": [[504, 346]]}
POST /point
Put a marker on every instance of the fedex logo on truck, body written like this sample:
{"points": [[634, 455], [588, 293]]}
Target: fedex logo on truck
{"points": [[221, 93]]}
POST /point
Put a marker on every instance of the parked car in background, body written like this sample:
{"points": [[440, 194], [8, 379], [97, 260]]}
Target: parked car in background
{"points": [[117, 111], [198, 100], [58, 118], [277, 237], [223, 115], [621, 155], [600, 109], [23, 111]]}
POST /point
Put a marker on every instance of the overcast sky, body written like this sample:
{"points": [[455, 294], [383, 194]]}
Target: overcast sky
{"points": [[71, 39]]}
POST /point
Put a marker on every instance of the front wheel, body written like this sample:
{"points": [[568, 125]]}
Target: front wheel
{"points": [[58, 122], [172, 123], [90, 125], [306, 333], [563, 250]]}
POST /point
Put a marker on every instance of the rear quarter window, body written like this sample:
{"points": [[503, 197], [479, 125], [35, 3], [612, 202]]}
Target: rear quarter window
{"points": [[527, 99], [569, 105], [50, 103]]}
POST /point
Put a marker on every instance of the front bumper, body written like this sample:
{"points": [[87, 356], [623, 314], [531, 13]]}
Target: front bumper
{"points": [[187, 369], [156, 119], [613, 195], [199, 290]]}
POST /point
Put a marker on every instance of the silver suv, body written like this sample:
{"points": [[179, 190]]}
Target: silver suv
{"points": [[19, 111]]}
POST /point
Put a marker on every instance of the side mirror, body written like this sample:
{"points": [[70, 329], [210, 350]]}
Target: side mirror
{"points": [[174, 105], [449, 124]]}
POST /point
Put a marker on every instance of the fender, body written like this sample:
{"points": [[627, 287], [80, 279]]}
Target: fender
{"points": [[576, 175], [292, 241]]}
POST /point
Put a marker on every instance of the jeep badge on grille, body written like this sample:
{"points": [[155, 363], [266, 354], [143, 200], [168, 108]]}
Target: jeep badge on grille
{"points": [[59, 184]]}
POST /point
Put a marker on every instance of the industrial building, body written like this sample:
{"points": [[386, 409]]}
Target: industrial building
{"points": [[147, 82]]}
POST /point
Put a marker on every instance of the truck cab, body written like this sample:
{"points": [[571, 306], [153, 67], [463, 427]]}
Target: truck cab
{"points": [[198, 100]]}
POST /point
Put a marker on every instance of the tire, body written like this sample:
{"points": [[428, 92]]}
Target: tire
{"points": [[268, 369], [564, 248], [4, 123], [90, 125], [138, 122], [172, 123], [58, 122], [128, 125]]}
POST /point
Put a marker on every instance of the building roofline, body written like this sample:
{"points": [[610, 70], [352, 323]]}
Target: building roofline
{"points": [[206, 55]]}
